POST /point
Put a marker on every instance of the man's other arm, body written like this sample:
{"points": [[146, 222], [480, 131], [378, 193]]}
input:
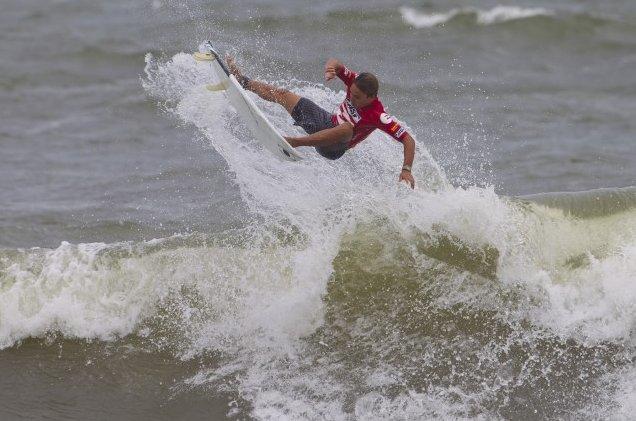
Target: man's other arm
{"points": [[335, 68], [409, 156], [332, 66], [339, 134]]}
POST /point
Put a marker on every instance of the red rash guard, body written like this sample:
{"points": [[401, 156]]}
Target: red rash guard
{"points": [[366, 119]]}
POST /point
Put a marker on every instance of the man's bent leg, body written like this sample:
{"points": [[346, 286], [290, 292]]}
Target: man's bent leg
{"points": [[268, 92], [281, 96], [330, 142]]}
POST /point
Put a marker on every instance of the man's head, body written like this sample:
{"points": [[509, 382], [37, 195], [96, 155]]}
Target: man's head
{"points": [[364, 90]]}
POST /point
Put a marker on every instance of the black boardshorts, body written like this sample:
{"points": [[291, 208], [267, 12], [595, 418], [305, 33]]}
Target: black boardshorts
{"points": [[308, 115]]}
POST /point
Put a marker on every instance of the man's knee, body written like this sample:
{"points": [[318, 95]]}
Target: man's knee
{"points": [[287, 99]]}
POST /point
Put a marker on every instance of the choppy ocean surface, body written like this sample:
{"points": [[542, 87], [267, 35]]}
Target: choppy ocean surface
{"points": [[155, 263]]}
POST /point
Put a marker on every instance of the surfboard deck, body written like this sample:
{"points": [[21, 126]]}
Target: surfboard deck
{"points": [[262, 129]]}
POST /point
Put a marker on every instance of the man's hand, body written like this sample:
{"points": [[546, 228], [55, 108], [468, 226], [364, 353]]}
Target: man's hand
{"points": [[409, 155], [331, 68], [330, 73], [408, 177]]}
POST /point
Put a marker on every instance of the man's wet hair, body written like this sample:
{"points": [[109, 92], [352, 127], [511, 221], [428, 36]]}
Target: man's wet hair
{"points": [[368, 84]]}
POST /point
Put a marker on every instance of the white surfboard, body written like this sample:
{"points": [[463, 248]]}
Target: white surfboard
{"points": [[250, 114]]}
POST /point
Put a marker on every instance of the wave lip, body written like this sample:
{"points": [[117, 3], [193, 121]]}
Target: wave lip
{"points": [[497, 14], [590, 203]]}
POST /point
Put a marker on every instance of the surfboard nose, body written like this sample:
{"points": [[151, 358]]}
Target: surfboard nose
{"points": [[207, 48]]}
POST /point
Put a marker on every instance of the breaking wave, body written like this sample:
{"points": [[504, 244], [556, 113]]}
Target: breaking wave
{"points": [[348, 295], [495, 15]]}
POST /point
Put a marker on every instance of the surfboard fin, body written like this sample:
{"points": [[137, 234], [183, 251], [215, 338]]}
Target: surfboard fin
{"points": [[204, 56], [215, 88]]}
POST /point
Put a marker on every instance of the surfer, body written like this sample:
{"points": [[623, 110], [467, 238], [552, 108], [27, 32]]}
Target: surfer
{"points": [[332, 135]]}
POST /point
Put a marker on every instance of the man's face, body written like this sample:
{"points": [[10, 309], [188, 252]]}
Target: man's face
{"points": [[358, 98]]}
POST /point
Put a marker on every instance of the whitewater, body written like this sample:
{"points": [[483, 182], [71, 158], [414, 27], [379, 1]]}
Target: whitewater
{"points": [[347, 295]]}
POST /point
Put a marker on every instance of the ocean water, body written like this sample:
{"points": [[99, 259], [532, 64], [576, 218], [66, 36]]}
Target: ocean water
{"points": [[156, 263]]}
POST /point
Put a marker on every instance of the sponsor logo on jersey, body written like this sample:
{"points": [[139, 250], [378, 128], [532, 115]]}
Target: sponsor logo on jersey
{"points": [[352, 111], [399, 132], [385, 118], [394, 127]]}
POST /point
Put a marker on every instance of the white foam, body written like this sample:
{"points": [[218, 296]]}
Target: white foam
{"points": [[424, 20], [497, 14], [596, 302], [626, 395], [66, 290], [508, 13]]}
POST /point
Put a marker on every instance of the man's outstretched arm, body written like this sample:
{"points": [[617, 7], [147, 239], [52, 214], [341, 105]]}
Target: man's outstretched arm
{"points": [[409, 156], [332, 67], [339, 134], [335, 68]]}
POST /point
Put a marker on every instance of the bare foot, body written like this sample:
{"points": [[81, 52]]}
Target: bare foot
{"points": [[233, 68]]}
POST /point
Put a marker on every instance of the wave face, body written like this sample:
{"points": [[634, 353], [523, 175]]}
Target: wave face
{"points": [[345, 296]]}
